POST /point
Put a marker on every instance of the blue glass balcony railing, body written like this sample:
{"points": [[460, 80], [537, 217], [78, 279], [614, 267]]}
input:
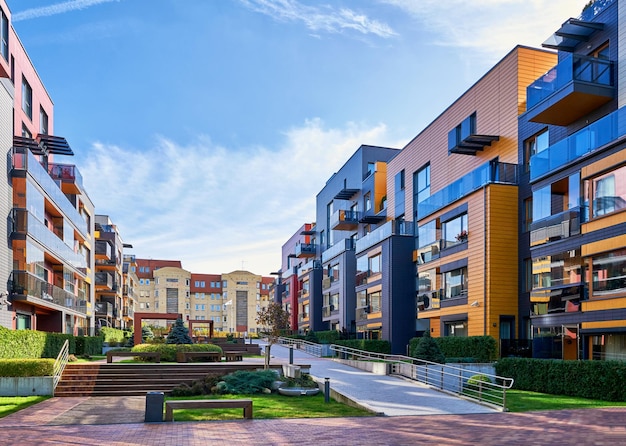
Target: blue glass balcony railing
{"points": [[575, 67], [385, 231], [339, 247], [490, 172], [584, 141]]}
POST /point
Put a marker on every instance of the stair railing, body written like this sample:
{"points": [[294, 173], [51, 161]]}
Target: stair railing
{"points": [[60, 363]]}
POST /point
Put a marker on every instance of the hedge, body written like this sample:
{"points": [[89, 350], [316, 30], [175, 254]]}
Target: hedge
{"points": [[168, 351], [327, 337], [603, 380], [113, 334], [26, 367], [369, 345], [33, 344], [480, 348]]}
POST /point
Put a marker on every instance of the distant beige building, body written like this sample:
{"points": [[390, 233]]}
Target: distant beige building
{"points": [[244, 295]]}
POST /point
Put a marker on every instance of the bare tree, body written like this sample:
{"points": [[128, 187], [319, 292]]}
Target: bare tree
{"points": [[273, 319]]}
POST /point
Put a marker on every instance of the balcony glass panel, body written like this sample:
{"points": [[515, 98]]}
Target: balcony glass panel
{"points": [[67, 173], [556, 227], [25, 283], [41, 176], [584, 141], [344, 245], [383, 232], [575, 67], [490, 172]]}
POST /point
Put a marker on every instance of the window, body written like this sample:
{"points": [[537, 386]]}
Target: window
{"points": [[224, 284], [555, 270], [367, 201], [455, 231], [608, 273], [374, 300], [147, 281], [534, 145], [399, 181], [156, 293], [427, 281], [375, 264], [171, 280], [4, 33], [43, 121], [25, 132], [371, 168], [542, 203], [609, 192], [455, 283], [333, 272], [421, 186], [199, 283], [455, 328]]}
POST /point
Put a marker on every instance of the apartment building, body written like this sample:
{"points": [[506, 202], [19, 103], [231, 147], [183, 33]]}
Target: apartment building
{"points": [[109, 274], [573, 192], [130, 289], [206, 303], [50, 261], [461, 174], [244, 294]]}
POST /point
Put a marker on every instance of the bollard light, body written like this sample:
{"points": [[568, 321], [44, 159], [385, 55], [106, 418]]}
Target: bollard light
{"points": [[327, 390]]}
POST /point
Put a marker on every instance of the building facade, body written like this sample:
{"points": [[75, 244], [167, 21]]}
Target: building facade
{"points": [[573, 192], [109, 274]]}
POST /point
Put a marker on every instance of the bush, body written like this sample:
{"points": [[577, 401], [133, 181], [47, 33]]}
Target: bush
{"points": [[474, 382], [198, 387], [603, 380], [26, 367], [481, 348], [88, 345], [245, 382], [369, 345], [428, 350], [112, 335], [327, 337], [168, 351]]}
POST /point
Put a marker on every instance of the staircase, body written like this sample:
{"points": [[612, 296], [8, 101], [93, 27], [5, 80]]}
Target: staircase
{"points": [[101, 379]]}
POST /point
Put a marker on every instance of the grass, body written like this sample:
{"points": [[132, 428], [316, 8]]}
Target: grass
{"points": [[272, 406], [524, 401], [11, 404]]}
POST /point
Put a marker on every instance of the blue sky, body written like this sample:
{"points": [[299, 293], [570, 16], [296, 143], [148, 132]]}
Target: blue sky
{"points": [[205, 128]]}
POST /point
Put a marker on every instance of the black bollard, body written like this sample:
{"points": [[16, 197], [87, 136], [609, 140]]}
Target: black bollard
{"points": [[327, 390], [291, 354]]}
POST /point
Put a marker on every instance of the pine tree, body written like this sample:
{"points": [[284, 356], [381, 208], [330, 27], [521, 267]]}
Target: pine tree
{"points": [[178, 334], [428, 350]]}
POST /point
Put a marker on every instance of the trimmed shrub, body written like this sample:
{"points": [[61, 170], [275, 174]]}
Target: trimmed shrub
{"points": [[168, 351], [481, 348], [428, 350], [474, 382], [112, 335], [26, 367], [327, 337], [369, 345], [245, 382], [21, 343], [88, 345], [603, 380]]}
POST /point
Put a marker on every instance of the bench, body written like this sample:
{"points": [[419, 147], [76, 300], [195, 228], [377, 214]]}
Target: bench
{"points": [[210, 356], [111, 354], [233, 356], [170, 405]]}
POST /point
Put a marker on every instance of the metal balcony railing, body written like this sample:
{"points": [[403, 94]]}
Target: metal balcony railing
{"points": [[23, 283]]}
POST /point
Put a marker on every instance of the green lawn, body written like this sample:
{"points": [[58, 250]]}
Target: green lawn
{"points": [[524, 401], [11, 404], [272, 406]]}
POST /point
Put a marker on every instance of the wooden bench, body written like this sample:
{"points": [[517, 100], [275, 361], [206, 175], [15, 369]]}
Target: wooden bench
{"points": [[111, 354], [233, 356], [170, 405], [210, 356]]}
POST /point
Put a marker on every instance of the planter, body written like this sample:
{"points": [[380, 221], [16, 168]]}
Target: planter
{"points": [[298, 391], [27, 386]]}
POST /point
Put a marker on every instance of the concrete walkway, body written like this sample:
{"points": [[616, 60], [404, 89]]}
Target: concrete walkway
{"points": [[387, 395]]}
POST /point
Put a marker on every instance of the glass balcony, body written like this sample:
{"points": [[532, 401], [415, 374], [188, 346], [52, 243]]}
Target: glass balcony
{"points": [[70, 179], [26, 284], [23, 160], [584, 141], [558, 299], [104, 280], [488, 173], [338, 248], [103, 250], [390, 228], [343, 220], [574, 88], [104, 309], [25, 223], [305, 250], [556, 227]]}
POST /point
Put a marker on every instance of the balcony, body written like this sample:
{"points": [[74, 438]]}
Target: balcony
{"points": [[128, 312], [343, 220], [24, 285], [328, 310], [362, 313], [104, 309], [385, 231], [573, 89], [327, 282], [559, 299], [67, 176], [338, 248], [488, 173], [586, 140], [556, 227], [104, 281], [104, 250], [26, 224], [304, 250], [428, 252], [429, 300], [465, 140], [22, 161]]}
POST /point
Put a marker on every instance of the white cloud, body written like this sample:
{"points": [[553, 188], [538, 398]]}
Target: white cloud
{"points": [[490, 26], [320, 18], [213, 207], [58, 8]]}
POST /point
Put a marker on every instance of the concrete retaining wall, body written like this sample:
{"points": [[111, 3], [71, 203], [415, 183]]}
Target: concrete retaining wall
{"points": [[27, 386]]}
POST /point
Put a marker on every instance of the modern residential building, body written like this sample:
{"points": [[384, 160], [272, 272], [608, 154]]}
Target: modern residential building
{"points": [[206, 301], [244, 294], [50, 217], [130, 290], [109, 274], [573, 192], [457, 180], [350, 205], [148, 301]]}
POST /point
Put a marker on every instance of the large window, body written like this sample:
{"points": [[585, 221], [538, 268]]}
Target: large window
{"points": [[375, 264], [556, 270], [43, 121], [455, 231], [455, 328], [609, 273], [609, 192], [374, 301], [535, 144], [455, 283], [4, 35], [427, 281], [27, 98], [421, 187]]}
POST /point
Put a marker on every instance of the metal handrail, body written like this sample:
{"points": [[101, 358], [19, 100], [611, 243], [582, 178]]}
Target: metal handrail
{"points": [[444, 377], [60, 363], [306, 346]]}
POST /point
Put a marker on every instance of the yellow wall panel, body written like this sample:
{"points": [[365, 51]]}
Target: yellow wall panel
{"points": [[606, 163], [604, 304], [600, 246], [604, 324]]}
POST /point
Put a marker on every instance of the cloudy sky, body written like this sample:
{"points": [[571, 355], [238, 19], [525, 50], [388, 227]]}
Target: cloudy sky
{"points": [[205, 128]]}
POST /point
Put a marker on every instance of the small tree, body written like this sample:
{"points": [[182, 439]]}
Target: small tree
{"points": [[428, 350], [178, 334], [274, 319]]}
